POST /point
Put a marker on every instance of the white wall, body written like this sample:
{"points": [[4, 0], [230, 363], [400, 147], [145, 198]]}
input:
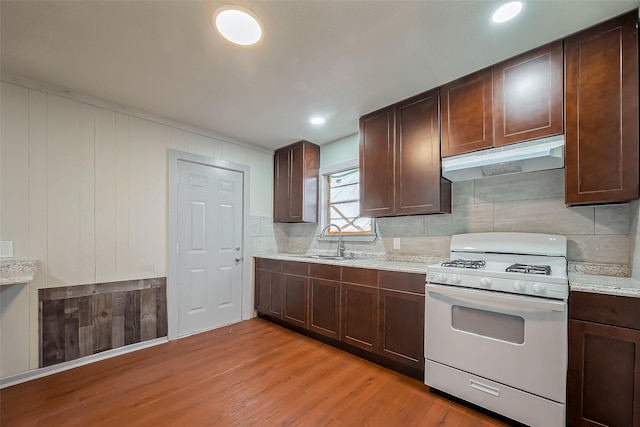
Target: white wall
{"points": [[340, 151], [83, 190]]}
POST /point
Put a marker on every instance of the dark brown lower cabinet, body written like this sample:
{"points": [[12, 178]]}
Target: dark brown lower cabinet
{"points": [[603, 381], [401, 327], [359, 316], [378, 311], [324, 303], [268, 287], [296, 300]]}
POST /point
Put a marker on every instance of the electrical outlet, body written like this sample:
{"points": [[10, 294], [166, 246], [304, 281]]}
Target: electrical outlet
{"points": [[396, 243], [6, 249]]}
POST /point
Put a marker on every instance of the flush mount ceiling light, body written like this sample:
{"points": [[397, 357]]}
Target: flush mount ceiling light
{"points": [[317, 121], [238, 25], [506, 12]]}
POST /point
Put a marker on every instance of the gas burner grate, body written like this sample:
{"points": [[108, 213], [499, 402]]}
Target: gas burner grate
{"points": [[465, 263], [529, 269]]}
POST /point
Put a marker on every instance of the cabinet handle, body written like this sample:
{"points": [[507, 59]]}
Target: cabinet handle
{"points": [[485, 388]]}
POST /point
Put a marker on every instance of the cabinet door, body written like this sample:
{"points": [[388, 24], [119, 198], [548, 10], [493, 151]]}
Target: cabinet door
{"points": [[467, 113], [263, 291], [603, 382], [324, 311], [417, 157], [401, 328], [296, 300], [376, 163], [282, 186], [528, 95], [296, 181], [601, 109], [269, 295], [360, 316], [276, 291], [295, 192]]}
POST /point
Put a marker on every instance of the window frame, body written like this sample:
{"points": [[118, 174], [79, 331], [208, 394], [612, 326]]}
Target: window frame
{"points": [[323, 208]]}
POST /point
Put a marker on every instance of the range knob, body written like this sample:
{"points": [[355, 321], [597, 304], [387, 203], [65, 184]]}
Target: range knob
{"points": [[442, 278], [486, 282], [539, 288], [519, 286], [457, 279]]}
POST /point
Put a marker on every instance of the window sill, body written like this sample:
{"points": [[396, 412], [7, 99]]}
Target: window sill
{"points": [[349, 238]]}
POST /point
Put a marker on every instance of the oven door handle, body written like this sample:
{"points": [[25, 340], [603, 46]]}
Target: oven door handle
{"points": [[473, 295]]}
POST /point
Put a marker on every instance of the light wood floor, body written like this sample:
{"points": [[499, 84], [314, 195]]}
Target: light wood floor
{"points": [[253, 373]]}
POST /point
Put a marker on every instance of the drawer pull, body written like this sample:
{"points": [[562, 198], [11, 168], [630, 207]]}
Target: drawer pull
{"points": [[485, 388]]}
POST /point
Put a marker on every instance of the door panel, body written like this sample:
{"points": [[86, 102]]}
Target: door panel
{"points": [[324, 302], [418, 155], [377, 181], [467, 113], [528, 95], [360, 316], [209, 235], [601, 113]]}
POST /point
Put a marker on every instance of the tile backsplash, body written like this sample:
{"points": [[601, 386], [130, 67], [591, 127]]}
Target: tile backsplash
{"points": [[601, 239]]}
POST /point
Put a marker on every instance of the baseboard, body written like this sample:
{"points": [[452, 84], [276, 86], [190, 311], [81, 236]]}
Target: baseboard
{"points": [[64, 366]]}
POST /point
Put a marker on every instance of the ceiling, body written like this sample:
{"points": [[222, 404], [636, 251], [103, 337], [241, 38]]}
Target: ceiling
{"points": [[337, 59]]}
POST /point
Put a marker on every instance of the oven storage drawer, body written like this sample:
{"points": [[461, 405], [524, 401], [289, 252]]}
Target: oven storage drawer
{"points": [[510, 402]]}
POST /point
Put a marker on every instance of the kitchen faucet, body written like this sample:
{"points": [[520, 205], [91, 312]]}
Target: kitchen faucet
{"points": [[340, 244]]}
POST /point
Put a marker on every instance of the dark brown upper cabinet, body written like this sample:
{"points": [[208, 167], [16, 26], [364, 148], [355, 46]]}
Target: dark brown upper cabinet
{"points": [[295, 195], [377, 170], [513, 101], [400, 160], [467, 113], [528, 95], [601, 109]]}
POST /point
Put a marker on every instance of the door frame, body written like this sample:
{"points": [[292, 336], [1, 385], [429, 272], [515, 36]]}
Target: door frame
{"points": [[172, 243]]}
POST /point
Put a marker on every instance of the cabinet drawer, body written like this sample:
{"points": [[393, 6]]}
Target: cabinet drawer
{"points": [[324, 271], [297, 268], [361, 276], [406, 282], [608, 309], [269, 264]]}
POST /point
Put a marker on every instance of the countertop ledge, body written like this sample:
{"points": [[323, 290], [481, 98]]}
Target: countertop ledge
{"points": [[17, 271], [623, 286], [419, 265]]}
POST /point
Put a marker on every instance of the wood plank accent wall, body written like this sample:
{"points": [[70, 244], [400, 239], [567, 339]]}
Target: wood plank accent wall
{"points": [[77, 321]]}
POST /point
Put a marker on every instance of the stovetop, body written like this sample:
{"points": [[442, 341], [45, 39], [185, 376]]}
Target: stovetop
{"points": [[540, 272]]}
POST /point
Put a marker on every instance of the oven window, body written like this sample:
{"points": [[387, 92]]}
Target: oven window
{"points": [[504, 327]]}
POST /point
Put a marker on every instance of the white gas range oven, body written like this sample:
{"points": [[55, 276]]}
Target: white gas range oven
{"points": [[496, 324]]}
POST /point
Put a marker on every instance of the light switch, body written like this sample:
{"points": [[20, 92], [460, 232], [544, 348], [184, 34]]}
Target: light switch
{"points": [[6, 249]]}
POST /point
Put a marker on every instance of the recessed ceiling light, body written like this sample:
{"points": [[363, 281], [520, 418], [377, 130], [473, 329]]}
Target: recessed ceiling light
{"points": [[506, 12], [317, 121], [238, 25]]}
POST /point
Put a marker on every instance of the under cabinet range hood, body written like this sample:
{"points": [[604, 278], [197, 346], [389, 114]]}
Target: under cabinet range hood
{"points": [[529, 156]]}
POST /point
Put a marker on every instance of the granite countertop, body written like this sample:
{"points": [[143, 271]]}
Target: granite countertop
{"points": [[17, 271], [625, 286], [413, 265], [580, 282]]}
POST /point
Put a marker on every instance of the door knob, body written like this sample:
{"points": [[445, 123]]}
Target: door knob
{"points": [[238, 259], [237, 248]]}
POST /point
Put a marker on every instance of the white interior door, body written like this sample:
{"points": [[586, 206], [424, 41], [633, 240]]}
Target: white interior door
{"points": [[209, 247]]}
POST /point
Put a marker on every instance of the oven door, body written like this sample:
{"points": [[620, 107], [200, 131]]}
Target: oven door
{"points": [[515, 340]]}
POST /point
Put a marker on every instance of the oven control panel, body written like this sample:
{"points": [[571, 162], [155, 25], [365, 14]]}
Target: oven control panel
{"points": [[515, 286]]}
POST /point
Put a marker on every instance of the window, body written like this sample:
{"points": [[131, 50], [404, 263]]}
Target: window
{"points": [[341, 204]]}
